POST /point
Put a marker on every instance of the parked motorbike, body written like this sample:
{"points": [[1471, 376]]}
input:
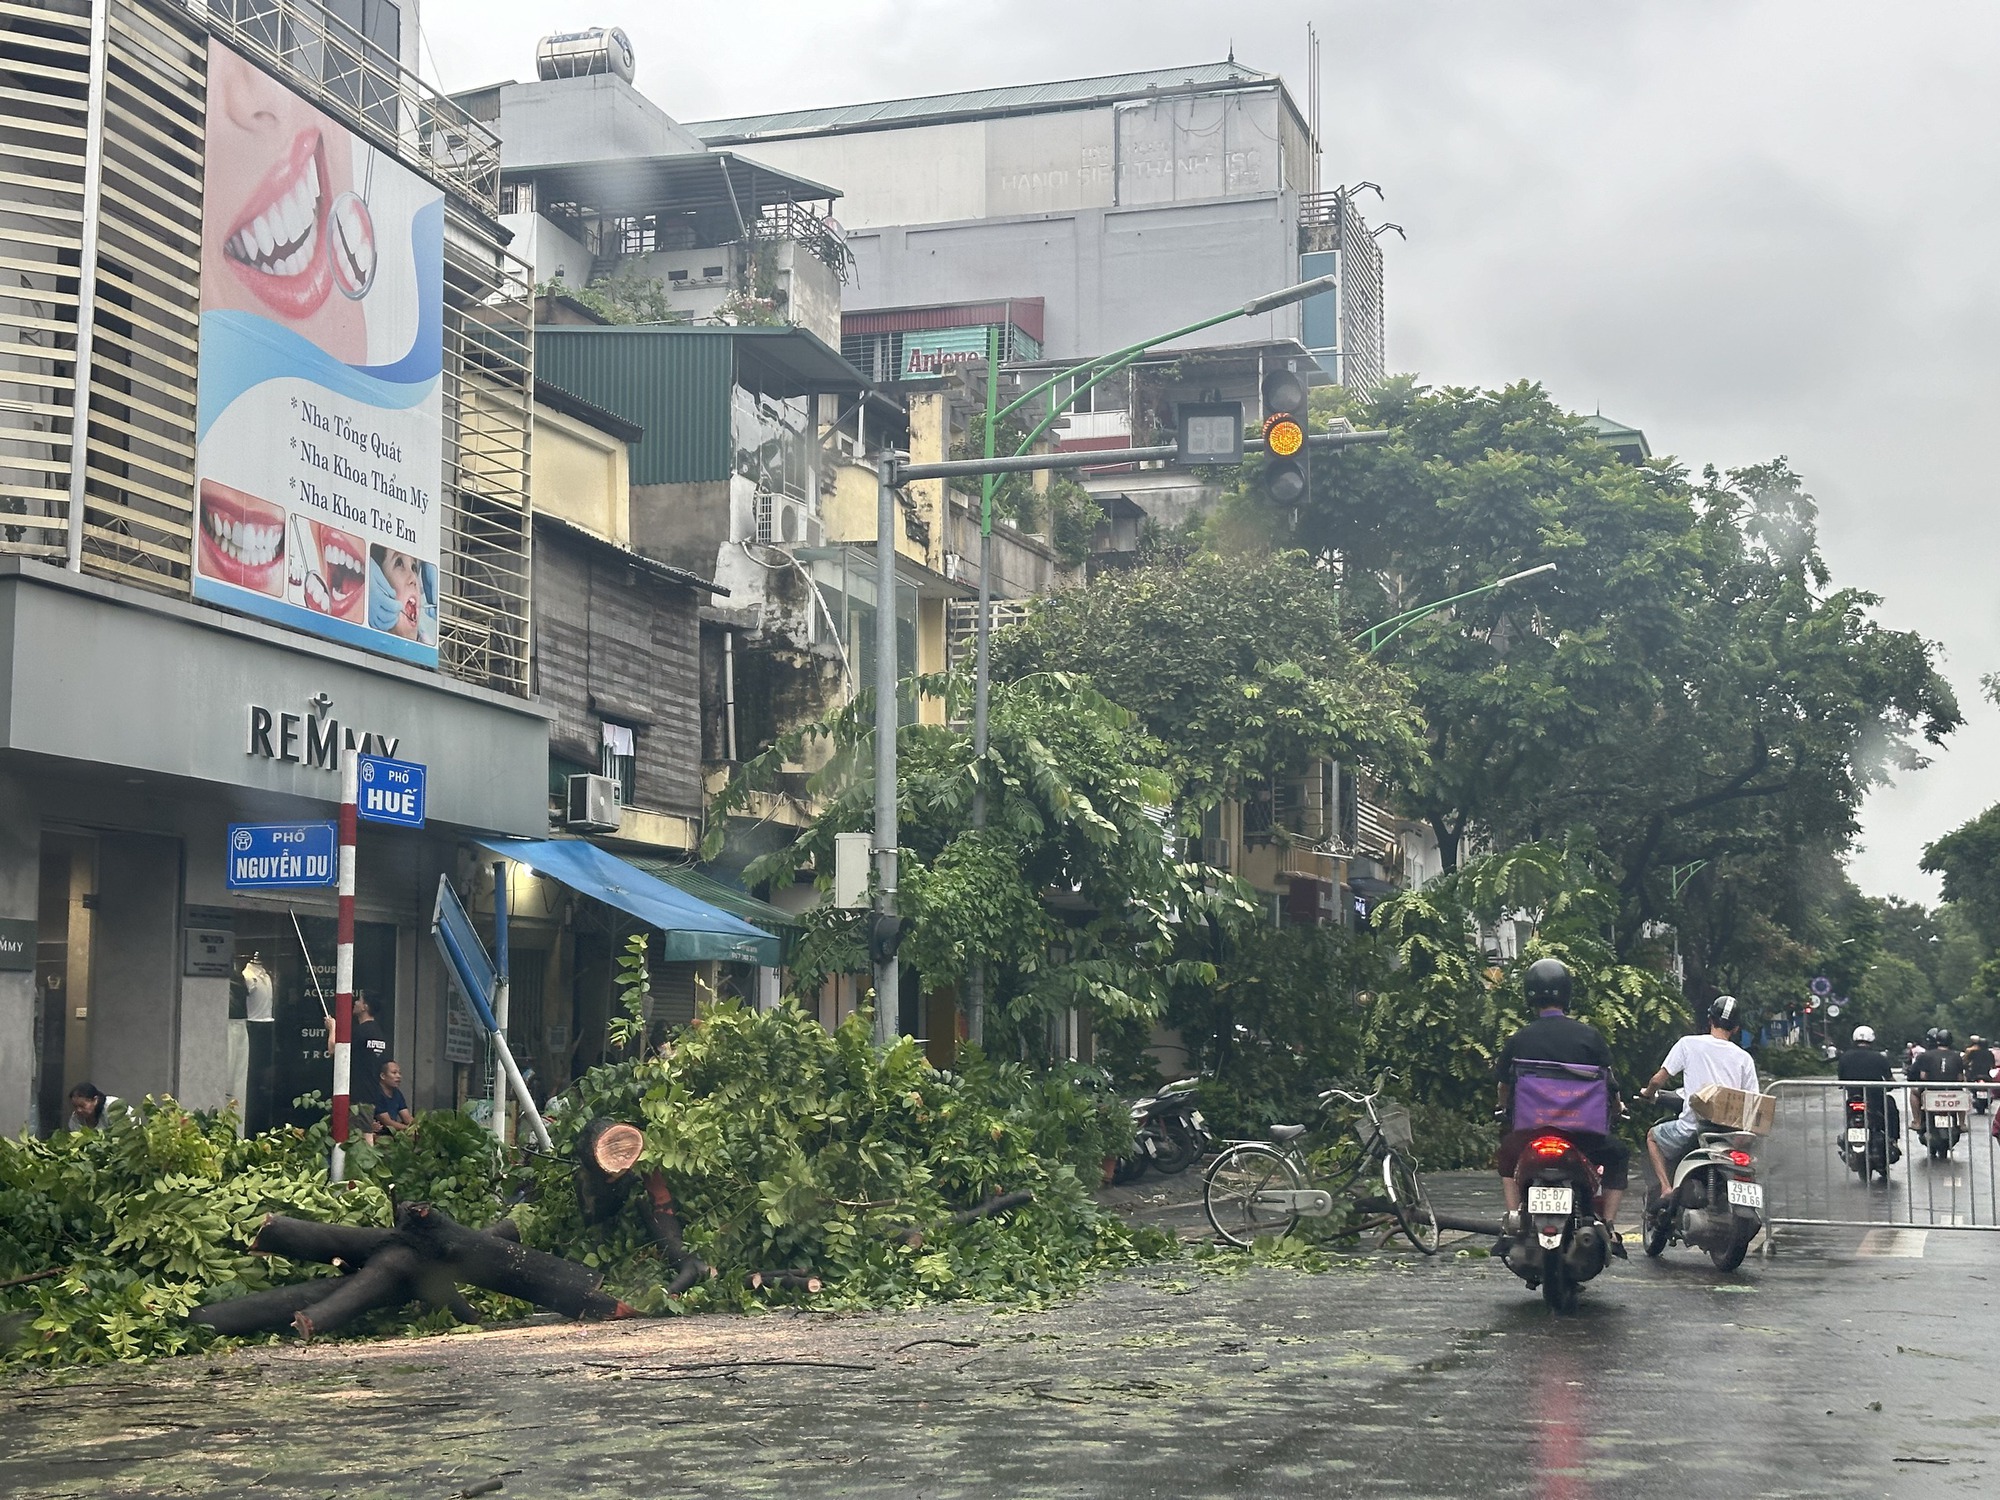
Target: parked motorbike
{"points": [[1942, 1116], [1715, 1202], [1865, 1146], [1557, 1241], [1172, 1134]]}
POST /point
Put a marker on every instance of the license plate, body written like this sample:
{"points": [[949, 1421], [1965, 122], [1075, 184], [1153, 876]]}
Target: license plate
{"points": [[1943, 1122], [1199, 1122], [1952, 1102], [1857, 1135], [1550, 1200], [1746, 1194]]}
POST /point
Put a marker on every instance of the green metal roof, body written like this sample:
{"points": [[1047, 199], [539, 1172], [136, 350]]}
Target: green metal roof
{"points": [[675, 381], [1027, 98], [1628, 442], [784, 925]]}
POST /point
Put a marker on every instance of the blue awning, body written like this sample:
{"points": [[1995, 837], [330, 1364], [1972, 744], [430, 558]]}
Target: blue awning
{"points": [[692, 929]]}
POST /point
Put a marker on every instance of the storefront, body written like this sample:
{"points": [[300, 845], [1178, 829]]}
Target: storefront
{"points": [[134, 730]]}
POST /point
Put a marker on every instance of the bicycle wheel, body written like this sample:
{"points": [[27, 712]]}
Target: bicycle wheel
{"points": [[1231, 1191], [1411, 1203]]}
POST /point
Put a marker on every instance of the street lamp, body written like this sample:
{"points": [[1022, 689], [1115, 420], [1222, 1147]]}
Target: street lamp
{"points": [[1384, 631], [1097, 369]]}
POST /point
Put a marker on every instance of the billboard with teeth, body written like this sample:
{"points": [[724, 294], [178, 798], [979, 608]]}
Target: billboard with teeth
{"points": [[320, 427]]}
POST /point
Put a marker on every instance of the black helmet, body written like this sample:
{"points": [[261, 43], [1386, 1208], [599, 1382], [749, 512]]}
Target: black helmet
{"points": [[1944, 1036], [1726, 1011], [1547, 983], [1931, 1037]]}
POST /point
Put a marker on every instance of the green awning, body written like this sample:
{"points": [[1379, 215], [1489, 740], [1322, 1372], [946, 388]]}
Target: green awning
{"points": [[786, 926]]}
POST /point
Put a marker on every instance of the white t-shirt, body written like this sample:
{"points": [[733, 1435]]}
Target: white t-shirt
{"points": [[1702, 1060]]}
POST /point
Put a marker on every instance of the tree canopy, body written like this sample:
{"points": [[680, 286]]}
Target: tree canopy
{"points": [[1237, 666]]}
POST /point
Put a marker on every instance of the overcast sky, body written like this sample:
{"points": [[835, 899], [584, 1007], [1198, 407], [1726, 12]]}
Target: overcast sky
{"points": [[1748, 228]]}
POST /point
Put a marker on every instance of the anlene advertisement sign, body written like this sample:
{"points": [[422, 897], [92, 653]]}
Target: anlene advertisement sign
{"points": [[320, 427]]}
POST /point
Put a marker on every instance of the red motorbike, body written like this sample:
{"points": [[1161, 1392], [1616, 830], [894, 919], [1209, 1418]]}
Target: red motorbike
{"points": [[1559, 1201]]}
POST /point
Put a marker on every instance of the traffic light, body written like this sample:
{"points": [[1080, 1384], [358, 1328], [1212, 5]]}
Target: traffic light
{"points": [[1285, 437]]}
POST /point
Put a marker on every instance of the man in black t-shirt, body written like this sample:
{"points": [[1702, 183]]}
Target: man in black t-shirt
{"points": [[1861, 1063], [1553, 1036], [368, 1046], [1938, 1063]]}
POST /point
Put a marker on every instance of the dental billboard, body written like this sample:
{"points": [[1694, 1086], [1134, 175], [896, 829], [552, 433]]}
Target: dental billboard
{"points": [[320, 426]]}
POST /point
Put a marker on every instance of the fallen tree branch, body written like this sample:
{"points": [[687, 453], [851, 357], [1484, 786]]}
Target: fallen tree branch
{"points": [[803, 1281], [43, 1275]]}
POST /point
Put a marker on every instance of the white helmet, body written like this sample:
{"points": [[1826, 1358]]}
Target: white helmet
{"points": [[1864, 1036]]}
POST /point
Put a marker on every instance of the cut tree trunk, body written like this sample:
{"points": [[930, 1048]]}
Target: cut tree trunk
{"points": [[387, 1280], [424, 1258], [263, 1312], [499, 1265], [302, 1239], [606, 1152]]}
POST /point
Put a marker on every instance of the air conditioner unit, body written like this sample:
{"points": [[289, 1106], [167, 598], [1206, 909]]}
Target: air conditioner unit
{"points": [[591, 805], [785, 522]]}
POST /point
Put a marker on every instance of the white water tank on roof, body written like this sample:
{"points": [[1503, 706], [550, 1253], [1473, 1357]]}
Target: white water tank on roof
{"points": [[578, 54]]}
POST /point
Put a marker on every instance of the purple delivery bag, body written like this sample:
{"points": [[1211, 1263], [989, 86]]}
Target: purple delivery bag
{"points": [[1574, 1098]]}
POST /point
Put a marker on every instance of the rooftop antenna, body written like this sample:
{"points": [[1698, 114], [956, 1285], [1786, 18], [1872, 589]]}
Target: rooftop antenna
{"points": [[1312, 102]]}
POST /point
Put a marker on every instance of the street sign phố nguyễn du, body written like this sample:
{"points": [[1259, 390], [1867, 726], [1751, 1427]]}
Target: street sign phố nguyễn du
{"points": [[273, 856]]}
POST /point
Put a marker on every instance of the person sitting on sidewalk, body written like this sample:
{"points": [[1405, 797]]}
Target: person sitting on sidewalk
{"points": [[390, 1111]]}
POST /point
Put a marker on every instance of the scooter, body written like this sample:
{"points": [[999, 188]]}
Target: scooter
{"points": [[1172, 1134], [1942, 1118], [1715, 1203], [1558, 1241], [1865, 1145]]}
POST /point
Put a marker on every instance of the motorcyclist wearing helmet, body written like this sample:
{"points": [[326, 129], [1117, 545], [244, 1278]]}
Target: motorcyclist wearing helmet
{"points": [[1861, 1063], [1979, 1060], [1939, 1062], [1555, 1036], [1699, 1060]]}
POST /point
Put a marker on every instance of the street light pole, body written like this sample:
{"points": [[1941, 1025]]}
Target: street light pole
{"points": [[887, 834], [975, 982], [1384, 631]]}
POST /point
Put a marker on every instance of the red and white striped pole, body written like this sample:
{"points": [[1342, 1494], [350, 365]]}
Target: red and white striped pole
{"points": [[343, 968]]}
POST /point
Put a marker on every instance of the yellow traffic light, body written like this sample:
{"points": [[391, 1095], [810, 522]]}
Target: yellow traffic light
{"points": [[1283, 435]]}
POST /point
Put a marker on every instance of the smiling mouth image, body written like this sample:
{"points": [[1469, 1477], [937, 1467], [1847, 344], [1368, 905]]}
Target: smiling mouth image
{"points": [[337, 586], [242, 538], [276, 244]]}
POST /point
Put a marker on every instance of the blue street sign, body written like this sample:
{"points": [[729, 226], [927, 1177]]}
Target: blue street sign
{"points": [[270, 856], [391, 791]]}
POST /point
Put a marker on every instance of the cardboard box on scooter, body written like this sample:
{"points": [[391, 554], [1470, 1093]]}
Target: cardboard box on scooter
{"points": [[1736, 1109]]}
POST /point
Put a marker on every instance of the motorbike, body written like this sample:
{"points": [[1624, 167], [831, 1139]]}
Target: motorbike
{"points": [[1865, 1145], [1558, 1242], [1172, 1134], [1715, 1202], [1942, 1115]]}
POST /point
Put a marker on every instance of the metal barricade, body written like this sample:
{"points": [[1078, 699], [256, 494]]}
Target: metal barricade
{"points": [[1808, 1181]]}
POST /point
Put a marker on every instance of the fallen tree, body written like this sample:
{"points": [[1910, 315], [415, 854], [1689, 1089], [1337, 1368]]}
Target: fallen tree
{"points": [[426, 1258]]}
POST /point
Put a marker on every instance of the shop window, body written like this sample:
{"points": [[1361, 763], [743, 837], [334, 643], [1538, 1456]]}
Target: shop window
{"points": [[286, 973]]}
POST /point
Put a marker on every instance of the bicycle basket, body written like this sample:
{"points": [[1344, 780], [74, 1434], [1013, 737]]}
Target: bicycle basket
{"points": [[1396, 1131]]}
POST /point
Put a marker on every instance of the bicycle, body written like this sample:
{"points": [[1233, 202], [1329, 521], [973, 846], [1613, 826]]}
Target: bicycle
{"points": [[1259, 1188]]}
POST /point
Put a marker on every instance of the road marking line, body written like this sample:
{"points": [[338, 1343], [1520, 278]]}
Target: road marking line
{"points": [[1900, 1244]]}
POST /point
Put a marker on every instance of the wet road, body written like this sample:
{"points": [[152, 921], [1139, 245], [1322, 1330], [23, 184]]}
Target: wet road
{"points": [[1852, 1363]]}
